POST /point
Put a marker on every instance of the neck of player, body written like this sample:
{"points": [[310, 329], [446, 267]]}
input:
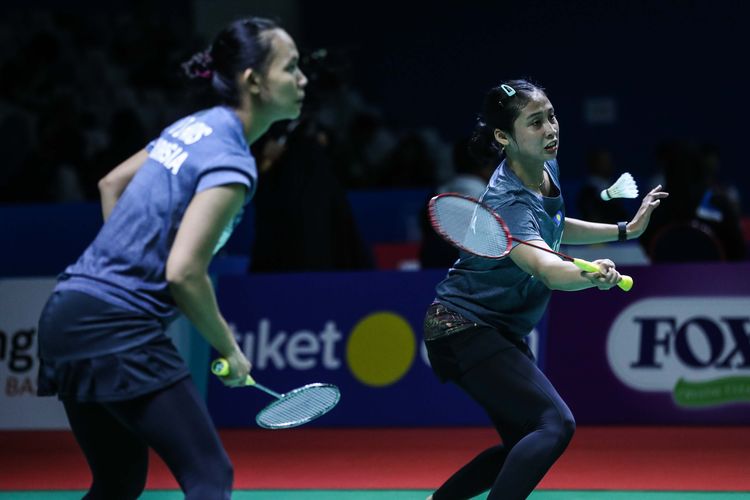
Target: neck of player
{"points": [[532, 176], [255, 122]]}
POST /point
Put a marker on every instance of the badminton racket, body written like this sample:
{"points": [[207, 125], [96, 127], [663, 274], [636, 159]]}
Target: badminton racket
{"points": [[472, 226], [292, 409]]}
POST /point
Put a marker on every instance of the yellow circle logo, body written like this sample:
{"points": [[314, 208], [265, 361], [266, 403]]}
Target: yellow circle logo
{"points": [[380, 349]]}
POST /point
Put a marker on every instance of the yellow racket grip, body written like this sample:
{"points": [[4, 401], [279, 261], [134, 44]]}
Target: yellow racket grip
{"points": [[625, 283], [220, 368]]}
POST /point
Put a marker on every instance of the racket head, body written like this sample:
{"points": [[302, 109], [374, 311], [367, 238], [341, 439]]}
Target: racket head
{"points": [[299, 406], [470, 225]]}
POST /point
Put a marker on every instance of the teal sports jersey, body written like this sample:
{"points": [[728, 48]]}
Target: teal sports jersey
{"points": [[498, 293], [125, 265]]}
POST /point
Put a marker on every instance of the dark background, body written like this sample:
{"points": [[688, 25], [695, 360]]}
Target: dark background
{"points": [[669, 70], [674, 69]]}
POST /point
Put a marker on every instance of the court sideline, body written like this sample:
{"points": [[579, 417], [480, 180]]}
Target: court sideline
{"points": [[650, 463]]}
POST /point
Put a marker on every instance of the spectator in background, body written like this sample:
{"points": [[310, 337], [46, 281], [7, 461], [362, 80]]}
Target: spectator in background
{"points": [[65, 67], [16, 180], [359, 139], [51, 170], [601, 175], [126, 133], [470, 179], [696, 201], [303, 220], [709, 157], [359, 151], [410, 164], [317, 231], [719, 205]]}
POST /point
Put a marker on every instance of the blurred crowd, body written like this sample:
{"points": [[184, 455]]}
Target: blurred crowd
{"points": [[702, 220], [83, 89]]}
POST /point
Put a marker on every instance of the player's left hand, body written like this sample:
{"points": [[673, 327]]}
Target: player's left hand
{"points": [[638, 225]]}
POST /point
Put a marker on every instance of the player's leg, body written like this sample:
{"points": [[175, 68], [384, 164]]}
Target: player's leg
{"points": [[501, 376], [175, 423], [475, 477], [535, 423], [118, 459]]}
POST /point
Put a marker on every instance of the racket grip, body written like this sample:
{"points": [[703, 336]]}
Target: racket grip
{"points": [[220, 368], [625, 283]]}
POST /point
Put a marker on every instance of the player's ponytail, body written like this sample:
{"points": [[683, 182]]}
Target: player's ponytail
{"points": [[483, 147]]}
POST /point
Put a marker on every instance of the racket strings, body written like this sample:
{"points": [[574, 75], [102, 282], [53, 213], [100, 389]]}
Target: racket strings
{"points": [[469, 225], [299, 406]]}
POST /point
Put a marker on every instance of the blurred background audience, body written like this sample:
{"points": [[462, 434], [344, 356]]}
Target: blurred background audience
{"points": [[84, 86], [601, 174]]}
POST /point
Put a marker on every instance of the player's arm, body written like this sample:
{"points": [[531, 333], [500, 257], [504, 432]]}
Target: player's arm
{"points": [[558, 274], [207, 215], [112, 185], [580, 232]]}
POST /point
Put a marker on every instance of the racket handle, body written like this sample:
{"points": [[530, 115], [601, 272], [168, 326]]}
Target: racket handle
{"points": [[220, 368], [625, 283]]}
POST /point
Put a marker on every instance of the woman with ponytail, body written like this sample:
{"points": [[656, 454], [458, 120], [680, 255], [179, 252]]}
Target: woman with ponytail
{"points": [[167, 210], [475, 330]]}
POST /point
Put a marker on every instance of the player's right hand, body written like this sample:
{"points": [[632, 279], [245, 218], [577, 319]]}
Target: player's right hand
{"points": [[239, 369], [607, 277]]}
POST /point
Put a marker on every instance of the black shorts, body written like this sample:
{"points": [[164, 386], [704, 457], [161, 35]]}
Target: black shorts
{"points": [[456, 344], [90, 350]]}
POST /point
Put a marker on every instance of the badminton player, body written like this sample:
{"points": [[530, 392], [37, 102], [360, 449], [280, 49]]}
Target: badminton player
{"points": [[475, 329], [167, 210]]}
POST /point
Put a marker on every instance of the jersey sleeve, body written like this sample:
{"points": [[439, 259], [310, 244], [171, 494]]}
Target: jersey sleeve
{"points": [[229, 169], [519, 217], [219, 176]]}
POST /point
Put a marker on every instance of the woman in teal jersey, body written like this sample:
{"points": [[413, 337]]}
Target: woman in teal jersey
{"points": [[102, 344], [484, 308]]}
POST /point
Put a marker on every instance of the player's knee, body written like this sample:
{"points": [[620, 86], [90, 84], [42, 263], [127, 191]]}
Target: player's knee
{"points": [[567, 429], [563, 429], [564, 423]]}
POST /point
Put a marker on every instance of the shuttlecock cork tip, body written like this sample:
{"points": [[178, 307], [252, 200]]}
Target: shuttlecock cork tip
{"points": [[624, 187]]}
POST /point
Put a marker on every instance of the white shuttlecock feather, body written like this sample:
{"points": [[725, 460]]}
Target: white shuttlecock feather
{"points": [[624, 187]]}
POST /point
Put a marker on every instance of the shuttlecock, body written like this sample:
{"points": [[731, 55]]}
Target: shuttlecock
{"points": [[624, 187]]}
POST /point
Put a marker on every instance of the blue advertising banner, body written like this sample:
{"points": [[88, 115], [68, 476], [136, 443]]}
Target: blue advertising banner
{"points": [[673, 350], [361, 331]]}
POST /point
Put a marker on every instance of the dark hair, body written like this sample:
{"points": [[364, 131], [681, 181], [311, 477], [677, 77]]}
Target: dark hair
{"points": [[239, 46], [499, 111]]}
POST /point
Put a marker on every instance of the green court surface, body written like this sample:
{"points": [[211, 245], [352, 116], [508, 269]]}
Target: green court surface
{"points": [[396, 495]]}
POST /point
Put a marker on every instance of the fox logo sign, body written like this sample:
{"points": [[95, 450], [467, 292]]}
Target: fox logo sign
{"points": [[659, 344]]}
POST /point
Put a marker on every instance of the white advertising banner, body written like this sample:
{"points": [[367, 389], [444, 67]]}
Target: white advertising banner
{"points": [[21, 302]]}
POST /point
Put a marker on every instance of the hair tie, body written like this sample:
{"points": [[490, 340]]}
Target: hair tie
{"points": [[509, 91], [199, 66], [206, 57]]}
